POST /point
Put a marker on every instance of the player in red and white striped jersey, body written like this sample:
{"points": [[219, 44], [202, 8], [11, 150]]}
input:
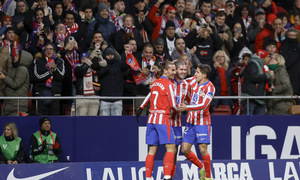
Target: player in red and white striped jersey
{"points": [[198, 121], [159, 130]]}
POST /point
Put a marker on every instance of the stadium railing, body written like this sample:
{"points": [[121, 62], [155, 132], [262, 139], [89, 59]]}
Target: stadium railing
{"points": [[133, 98]]}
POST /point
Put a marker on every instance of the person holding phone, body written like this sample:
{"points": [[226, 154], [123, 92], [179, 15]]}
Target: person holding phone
{"points": [[239, 40]]}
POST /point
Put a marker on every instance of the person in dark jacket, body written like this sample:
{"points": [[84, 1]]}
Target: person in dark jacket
{"points": [[87, 84], [45, 144], [18, 21], [256, 76], [12, 149], [111, 80], [101, 24], [290, 50], [49, 72]]}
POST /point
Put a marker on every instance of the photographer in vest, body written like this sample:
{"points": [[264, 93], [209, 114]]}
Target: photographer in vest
{"points": [[12, 149], [45, 144]]}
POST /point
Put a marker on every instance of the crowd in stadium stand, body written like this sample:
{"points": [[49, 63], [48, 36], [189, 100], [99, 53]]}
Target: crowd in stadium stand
{"points": [[90, 48]]}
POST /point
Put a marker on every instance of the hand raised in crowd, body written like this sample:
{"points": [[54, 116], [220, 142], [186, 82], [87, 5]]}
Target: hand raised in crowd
{"points": [[34, 5], [81, 14], [9, 162], [193, 50], [69, 46], [208, 19], [225, 36], [238, 35], [159, 2], [193, 25], [52, 66], [186, 25], [50, 36], [39, 31], [182, 107], [141, 16], [261, 23], [46, 12], [209, 30], [20, 25], [146, 71]]}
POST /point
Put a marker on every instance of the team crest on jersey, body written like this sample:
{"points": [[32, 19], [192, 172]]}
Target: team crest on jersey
{"points": [[201, 93], [210, 95], [177, 99], [195, 99]]}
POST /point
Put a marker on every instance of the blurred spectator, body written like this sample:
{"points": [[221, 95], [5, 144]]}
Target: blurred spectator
{"points": [[281, 86], [231, 13], [60, 35], [160, 50], [206, 41], [190, 70], [49, 71], [34, 19], [117, 14], [45, 144], [190, 6], [182, 49], [77, 30], [270, 7], [87, 84], [159, 22], [5, 65], [111, 80], [256, 26], [12, 149], [278, 34], [88, 14], [17, 85], [127, 32], [222, 65], [218, 5], [246, 15], [169, 37], [267, 30], [102, 24], [255, 83], [187, 25], [224, 32], [92, 3], [9, 7], [205, 11], [11, 44], [239, 40], [180, 6], [58, 12], [39, 40], [271, 47], [70, 55], [142, 21], [43, 4], [296, 24], [290, 50], [285, 20], [18, 21]]}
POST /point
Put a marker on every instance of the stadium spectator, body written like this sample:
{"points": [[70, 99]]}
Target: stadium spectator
{"points": [[290, 50], [45, 144], [88, 14], [11, 44], [223, 66], [224, 32], [117, 14], [43, 4], [169, 37], [111, 80], [160, 50], [142, 21], [127, 32], [270, 7], [190, 70], [231, 13], [281, 86], [190, 6], [255, 27], [17, 85], [246, 15], [58, 12], [87, 84], [180, 6], [5, 65], [77, 30], [160, 132], [267, 30], [49, 71], [205, 11], [206, 41], [12, 149], [159, 22], [101, 24], [5, 23], [239, 40], [278, 34], [256, 82], [182, 49], [271, 47], [187, 25], [18, 21], [198, 121], [217, 5], [285, 20]]}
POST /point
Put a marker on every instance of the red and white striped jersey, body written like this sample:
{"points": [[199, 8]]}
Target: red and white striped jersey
{"points": [[201, 97], [181, 91], [162, 100]]}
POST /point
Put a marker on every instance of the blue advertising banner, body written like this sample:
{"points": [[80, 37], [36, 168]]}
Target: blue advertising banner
{"points": [[221, 170], [103, 139]]}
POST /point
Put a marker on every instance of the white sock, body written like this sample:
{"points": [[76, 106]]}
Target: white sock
{"points": [[149, 178], [167, 177]]}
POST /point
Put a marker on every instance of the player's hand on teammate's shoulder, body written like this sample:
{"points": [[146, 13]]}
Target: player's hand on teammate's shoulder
{"points": [[182, 107]]}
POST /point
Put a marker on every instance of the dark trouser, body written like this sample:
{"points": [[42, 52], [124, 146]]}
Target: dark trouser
{"points": [[52, 108], [254, 108]]}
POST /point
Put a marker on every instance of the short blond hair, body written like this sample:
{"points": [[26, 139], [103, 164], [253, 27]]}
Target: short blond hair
{"points": [[279, 58]]}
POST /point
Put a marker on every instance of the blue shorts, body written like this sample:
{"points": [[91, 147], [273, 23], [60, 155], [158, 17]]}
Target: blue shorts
{"points": [[197, 133], [157, 134], [178, 135]]}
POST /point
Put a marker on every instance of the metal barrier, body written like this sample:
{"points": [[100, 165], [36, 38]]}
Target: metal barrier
{"points": [[133, 98]]}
